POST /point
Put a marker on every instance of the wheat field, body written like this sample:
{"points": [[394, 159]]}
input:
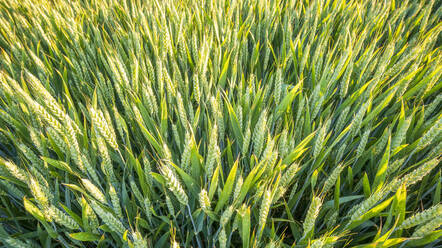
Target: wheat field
{"points": [[255, 123]]}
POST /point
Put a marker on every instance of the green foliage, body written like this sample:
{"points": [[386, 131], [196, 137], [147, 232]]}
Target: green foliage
{"points": [[220, 123]]}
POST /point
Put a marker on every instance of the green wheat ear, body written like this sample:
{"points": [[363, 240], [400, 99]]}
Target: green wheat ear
{"points": [[422, 217], [312, 214], [204, 200], [173, 184]]}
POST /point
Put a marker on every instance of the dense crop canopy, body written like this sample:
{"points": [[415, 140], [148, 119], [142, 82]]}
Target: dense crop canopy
{"points": [[257, 123]]}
